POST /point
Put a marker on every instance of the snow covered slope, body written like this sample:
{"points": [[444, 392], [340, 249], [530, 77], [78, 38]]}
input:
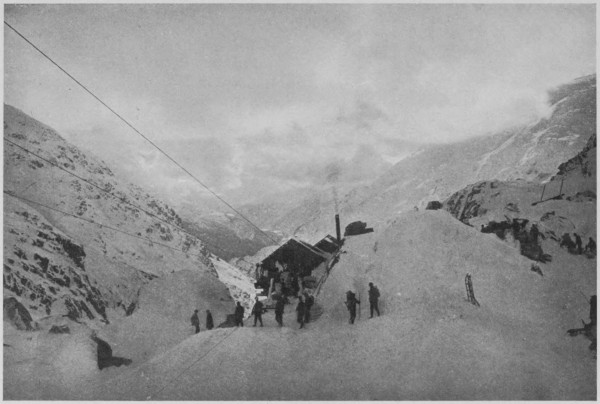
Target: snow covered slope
{"points": [[57, 263], [429, 343]]}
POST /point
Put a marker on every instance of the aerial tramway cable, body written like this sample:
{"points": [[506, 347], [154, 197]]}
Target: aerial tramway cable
{"points": [[98, 224], [122, 199], [139, 133]]}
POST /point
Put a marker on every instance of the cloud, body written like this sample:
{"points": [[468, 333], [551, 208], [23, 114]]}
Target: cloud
{"points": [[281, 96]]}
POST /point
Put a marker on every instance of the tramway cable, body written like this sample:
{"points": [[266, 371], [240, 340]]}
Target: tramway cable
{"points": [[138, 132], [122, 199]]}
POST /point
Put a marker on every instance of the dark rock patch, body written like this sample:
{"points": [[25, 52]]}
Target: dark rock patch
{"points": [[433, 205], [528, 239], [59, 329], [105, 357], [18, 315], [357, 228]]}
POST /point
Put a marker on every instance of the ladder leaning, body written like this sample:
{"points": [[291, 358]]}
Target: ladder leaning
{"points": [[470, 293]]}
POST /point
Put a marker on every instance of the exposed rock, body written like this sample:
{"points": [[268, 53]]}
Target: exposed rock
{"points": [[18, 315], [59, 329], [433, 205], [105, 358], [584, 196]]}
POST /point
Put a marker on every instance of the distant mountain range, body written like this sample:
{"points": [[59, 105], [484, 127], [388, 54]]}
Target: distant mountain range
{"points": [[531, 153]]}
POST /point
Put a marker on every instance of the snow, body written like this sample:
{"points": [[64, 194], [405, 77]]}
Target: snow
{"points": [[241, 286], [486, 157], [429, 343]]}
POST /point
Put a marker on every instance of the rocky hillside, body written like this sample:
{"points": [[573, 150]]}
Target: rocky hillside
{"points": [[72, 249], [530, 153], [533, 214]]}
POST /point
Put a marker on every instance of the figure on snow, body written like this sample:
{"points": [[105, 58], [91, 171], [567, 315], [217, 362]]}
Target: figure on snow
{"points": [[591, 246], [279, 311], [351, 302], [300, 311], [196, 321], [578, 243], [257, 310], [209, 320], [373, 299], [239, 315], [308, 301]]}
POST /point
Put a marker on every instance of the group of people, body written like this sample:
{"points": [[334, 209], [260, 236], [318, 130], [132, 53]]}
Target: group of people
{"points": [[352, 301], [305, 303], [196, 321], [303, 308], [577, 245]]}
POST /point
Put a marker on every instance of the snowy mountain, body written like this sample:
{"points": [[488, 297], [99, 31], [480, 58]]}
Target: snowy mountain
{"points": [[430, 343], [532, 152], [72, 249], [227, 235]]}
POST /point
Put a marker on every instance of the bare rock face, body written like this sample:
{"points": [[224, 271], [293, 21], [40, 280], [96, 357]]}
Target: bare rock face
{"points": [[47, 268], [105, 356], [18, 315], [433, 205], [59, 329], [90, 263]]}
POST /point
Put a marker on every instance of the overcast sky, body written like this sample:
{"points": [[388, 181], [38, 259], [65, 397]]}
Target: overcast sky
{"points": [[252, 98]]}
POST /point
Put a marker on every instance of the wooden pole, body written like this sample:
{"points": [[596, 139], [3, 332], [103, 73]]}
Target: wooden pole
{"points": [[561, 185], [543, 189], [271, 287]]}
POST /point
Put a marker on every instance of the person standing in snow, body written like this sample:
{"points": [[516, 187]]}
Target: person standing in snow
{"points": [[591, 246], [351, 302], [373, 299], [257, 310], [578, 243], [279, 311], [209, 320], [567, 242], [239, 315], [535, 233], [196, 321], [300, 311], [308, 302]]}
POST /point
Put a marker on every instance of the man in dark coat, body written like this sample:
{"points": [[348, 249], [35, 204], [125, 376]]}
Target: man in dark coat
{"points": [[591, 246], [209, 320], [196, 321], [351, 302], [567, 242], [279, 311], [578, 243], [535, 233], [308, 302], [257, 310], [239, 315], [300, 311], [373, 299]]}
